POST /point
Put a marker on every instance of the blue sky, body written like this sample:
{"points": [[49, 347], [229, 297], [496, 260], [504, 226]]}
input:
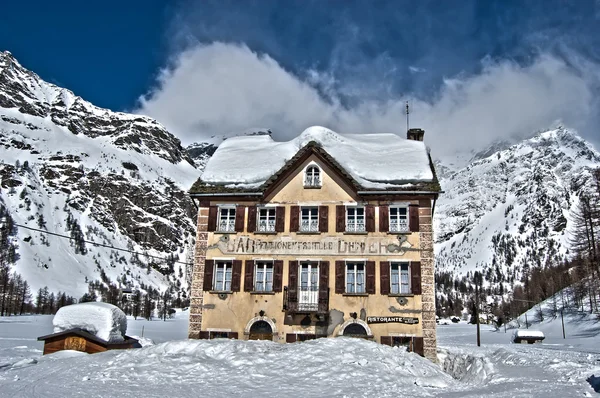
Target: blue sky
{"points": [[490, 68]]}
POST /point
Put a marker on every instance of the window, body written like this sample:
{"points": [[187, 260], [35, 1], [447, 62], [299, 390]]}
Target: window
{"points": [[222, 278], [266, 219], [263, 276], [355, 219], [400, 278], [398, 219], [312, 176], [355, 277], [226, 219], [310, 219]]}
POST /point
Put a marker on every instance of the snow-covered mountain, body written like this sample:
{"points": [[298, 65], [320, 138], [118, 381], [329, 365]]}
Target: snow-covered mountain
{"points": [[71, 168], [510, 209]]}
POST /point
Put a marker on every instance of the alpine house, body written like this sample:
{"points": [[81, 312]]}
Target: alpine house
{"points": [[325, 235]]}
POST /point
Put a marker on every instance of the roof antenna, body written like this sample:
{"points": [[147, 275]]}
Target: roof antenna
{"points": [[407, 113]]}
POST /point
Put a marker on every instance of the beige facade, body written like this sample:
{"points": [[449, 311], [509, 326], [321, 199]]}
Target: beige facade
{"points": [[363, 281]]}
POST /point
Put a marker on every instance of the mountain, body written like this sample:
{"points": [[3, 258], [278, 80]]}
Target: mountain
{"points": [[71, 168], [512, 209]]}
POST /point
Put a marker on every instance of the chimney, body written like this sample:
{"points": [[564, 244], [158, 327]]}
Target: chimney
{"points": [[415, 134]]}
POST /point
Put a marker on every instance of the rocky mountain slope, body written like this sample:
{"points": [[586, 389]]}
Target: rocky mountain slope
{"points": [[71, 168], [511, 209]]}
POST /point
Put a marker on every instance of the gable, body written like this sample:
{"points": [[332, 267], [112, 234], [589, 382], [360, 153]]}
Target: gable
{"points": [[291, 187]]}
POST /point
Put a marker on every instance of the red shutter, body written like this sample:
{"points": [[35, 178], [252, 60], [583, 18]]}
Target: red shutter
{"points": [[413, 218], [249, 276], [251, 227], [340, 277], [293, 281], [384, 280], [415, 276], [279, 219], [384, 218], [370, 218], [370, 277], [204, 335], [209, 266], [418, 346], [386, 340], [340, 218], [323, 218], [290, 337], [240, 213], [236, 275], [232, 335], [294, 218], [323, 286], [213, 215], [277, 275]]}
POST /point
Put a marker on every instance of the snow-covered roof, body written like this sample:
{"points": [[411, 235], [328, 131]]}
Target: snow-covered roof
{"points": [[103, 320], [373, 161], [536, 334]]}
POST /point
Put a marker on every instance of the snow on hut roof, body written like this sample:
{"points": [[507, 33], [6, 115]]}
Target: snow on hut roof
{"points": [[102, 320], [376, 161]]}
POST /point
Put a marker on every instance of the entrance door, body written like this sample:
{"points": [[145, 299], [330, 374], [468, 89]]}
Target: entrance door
{"points": [[308, 287], [260, 330]]}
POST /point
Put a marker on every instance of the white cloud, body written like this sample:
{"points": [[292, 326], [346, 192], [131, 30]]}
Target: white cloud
{"points": [[219, 89]]}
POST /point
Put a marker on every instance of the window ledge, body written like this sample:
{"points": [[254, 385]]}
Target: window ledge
{"points": [[265, 293], [356, 294], [399, 232], [356, 233], [312, 187], [401, 295], [308, 233], [264, 233], [226, 232], [220, 292]]}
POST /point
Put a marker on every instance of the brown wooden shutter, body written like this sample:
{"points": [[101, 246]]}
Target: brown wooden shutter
{"points": [[290, 337], [415, 276], [236, 275], [413, 218], [240, 213], [370, 286], [204, 335], [384, 218], [370, 218], [277, 275], [340, 277], [232, 335], [293, 281], [340, 218], [294, 218], [386, 340], [209, 266], [279, 219], [251, 227], [323, 285], [249, 276], [418, 346], [323, 218], [213, 215], [384, 277]]}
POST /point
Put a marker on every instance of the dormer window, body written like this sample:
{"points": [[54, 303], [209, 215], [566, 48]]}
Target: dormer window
{"points": [[312, 176]]}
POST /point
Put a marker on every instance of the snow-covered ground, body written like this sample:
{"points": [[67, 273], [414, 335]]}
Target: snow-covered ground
{"points": [[339, 367]]}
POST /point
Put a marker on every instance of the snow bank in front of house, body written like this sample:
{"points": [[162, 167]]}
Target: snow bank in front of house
{"points": [[373, 160], [103, 320]]}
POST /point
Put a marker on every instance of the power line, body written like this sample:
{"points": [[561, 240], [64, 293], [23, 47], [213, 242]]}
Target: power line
{"points": [[99, 244]]}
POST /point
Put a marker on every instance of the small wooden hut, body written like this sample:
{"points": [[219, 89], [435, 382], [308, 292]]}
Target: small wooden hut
{"points": [[81, 340]]}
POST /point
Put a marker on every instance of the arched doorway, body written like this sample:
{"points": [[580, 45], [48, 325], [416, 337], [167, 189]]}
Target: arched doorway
{"points": [[260, 330], [355, 330]]}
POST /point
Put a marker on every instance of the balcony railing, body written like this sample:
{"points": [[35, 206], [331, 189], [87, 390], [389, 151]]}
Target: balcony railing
{"points": [[398, 226], [303, 302], [266, 226], [358, 226], [309, 226], [226, 226]]}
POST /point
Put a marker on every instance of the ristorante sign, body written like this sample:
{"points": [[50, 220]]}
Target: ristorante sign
{"points": [[332, 245]]}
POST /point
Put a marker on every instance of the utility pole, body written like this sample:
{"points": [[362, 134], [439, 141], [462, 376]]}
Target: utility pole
{"points": [[477, 313], [407, 112], [562, 320]]}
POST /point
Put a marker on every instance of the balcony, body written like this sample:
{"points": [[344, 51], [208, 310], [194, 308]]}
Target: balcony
{"points": [[305, 302]]}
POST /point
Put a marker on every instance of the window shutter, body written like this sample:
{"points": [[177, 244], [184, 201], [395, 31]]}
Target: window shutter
{"points": [[249, 276], [240, 213], [293, 281], [413, 214], [279, 219], [204, 335], [232, 335], [209, 265], [386, 340], [384, 273], [213, 214], [384, 218], [370, 286], [277, 275], [415, 276], [370, 218], [323, 285], [236, 275], [290, 337], [340, 218], [294, 218], [251, 227], [340, 277], [418, 346], [323, 218]]}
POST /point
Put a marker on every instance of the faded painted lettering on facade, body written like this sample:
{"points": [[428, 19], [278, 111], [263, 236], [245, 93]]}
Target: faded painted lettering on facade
{"points": [[332, 246]]}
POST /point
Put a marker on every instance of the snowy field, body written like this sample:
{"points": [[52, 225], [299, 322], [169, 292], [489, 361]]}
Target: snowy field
{"points": [[322, 368]]}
